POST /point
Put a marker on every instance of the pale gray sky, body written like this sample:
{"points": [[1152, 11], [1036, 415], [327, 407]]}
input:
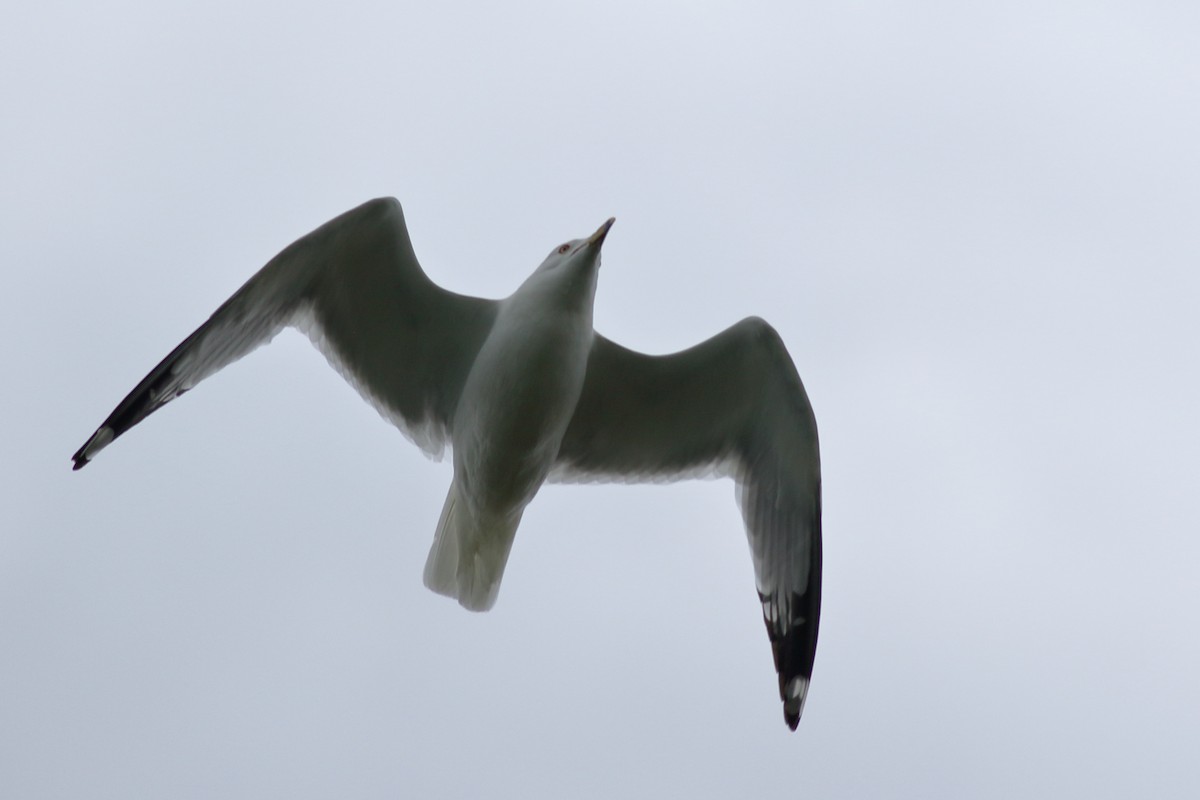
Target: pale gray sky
{"points": [[974, 226]]}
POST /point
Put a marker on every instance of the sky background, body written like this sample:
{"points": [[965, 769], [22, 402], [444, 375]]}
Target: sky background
{"points": [[974, 225]]}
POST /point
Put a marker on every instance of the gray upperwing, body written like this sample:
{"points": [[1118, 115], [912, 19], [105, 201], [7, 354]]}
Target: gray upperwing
{"points": [[733, 404], [355, 287]]}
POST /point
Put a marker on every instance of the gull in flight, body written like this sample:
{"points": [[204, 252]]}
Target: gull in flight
{"points": [[525, 391]]}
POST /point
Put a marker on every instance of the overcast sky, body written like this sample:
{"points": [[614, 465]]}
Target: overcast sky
{"points": [[974, 225]]}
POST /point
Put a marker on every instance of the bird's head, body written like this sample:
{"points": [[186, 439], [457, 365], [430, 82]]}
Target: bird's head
{"points": [[581, 252], [571, 266]]}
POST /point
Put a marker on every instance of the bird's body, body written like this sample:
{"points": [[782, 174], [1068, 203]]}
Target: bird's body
{"points": [[535, 357], [525, 391]]}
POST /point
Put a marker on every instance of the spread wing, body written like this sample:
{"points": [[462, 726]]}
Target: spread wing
{"points": [[355, 287], [734, 405]]}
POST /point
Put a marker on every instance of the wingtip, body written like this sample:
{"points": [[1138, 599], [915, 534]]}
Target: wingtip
{"points": [[796, 692], [100, 439]]}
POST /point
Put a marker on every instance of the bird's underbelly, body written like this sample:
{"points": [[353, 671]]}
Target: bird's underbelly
{"points": [[511, 421]]}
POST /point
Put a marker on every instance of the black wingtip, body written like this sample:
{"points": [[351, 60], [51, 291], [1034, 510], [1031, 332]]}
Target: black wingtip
{"points": [[101, 439], [794, 649]]}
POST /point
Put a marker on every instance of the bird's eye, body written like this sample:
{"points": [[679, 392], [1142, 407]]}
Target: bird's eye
{"points": [[563, 248]]}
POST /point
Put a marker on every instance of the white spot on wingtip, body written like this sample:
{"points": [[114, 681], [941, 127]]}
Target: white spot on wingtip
{"points": [[100, 439], [795, 693]]}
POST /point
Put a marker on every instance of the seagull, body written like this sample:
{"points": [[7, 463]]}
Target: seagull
{"points": [[524, 391]]}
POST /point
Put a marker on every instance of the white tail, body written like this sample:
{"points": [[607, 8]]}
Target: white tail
{"points": [[468, 556]]}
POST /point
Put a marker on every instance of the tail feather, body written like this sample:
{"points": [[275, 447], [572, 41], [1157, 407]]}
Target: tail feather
{"points": [[441, 567], [468, 555]]}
